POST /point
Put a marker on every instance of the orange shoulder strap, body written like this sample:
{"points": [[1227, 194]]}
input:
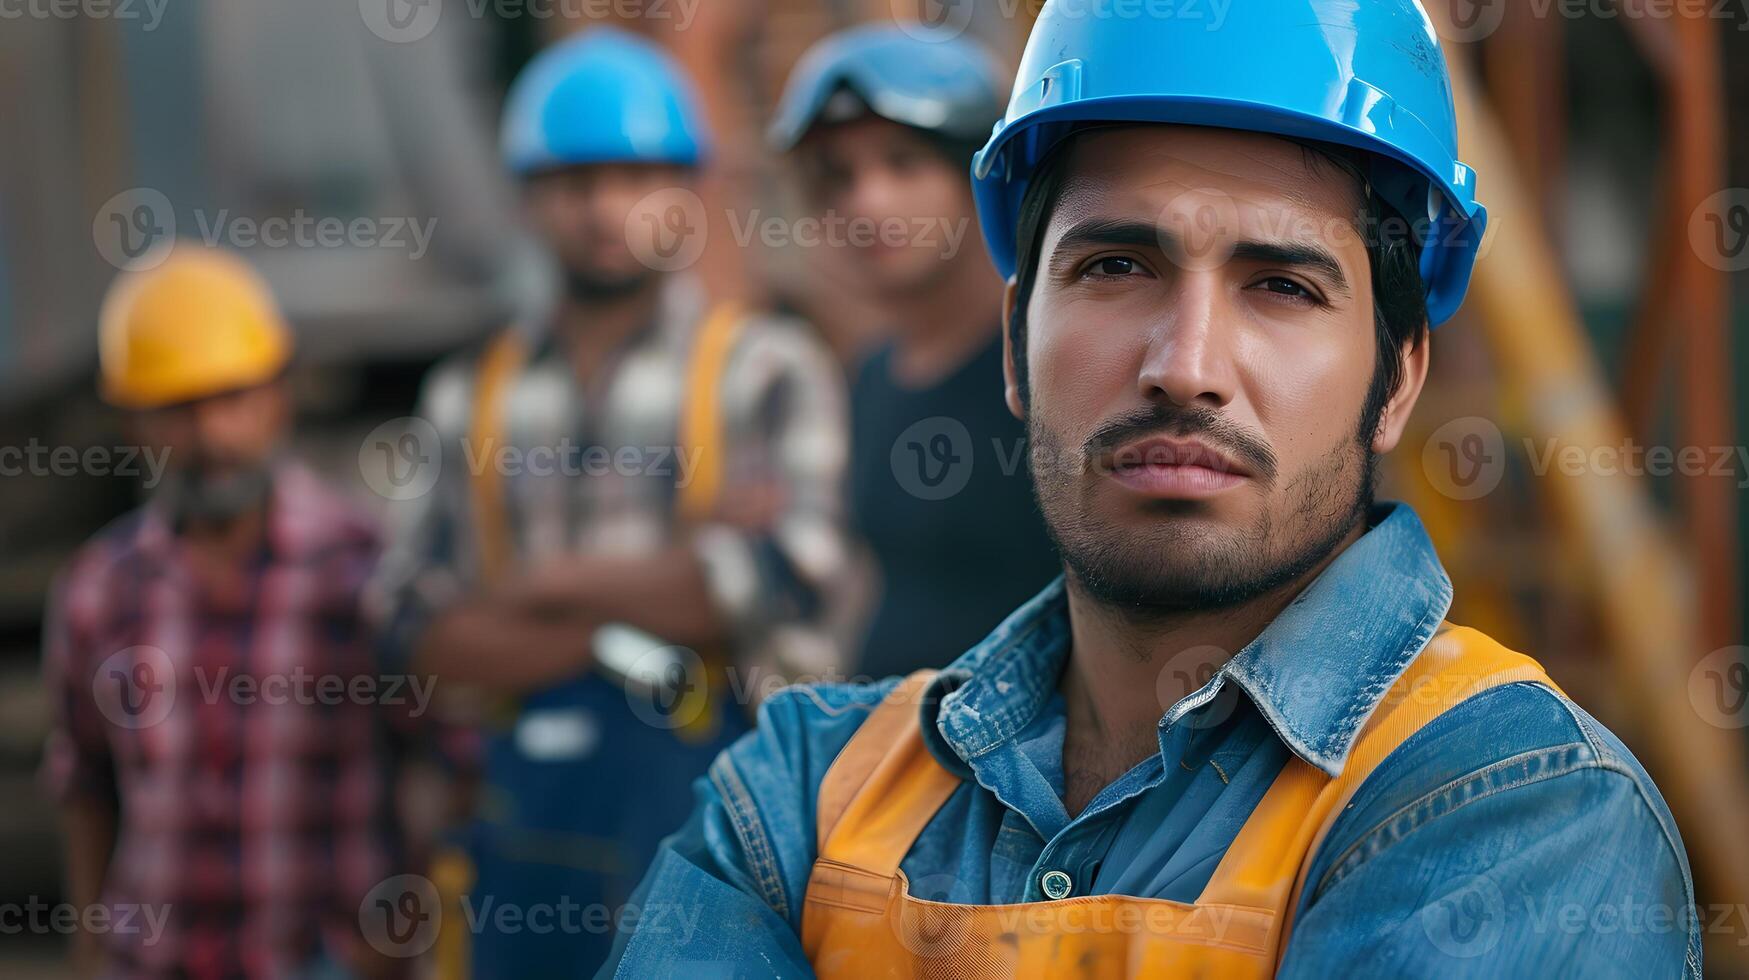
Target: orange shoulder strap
{"points": [[1266, 865], [701, 412], [502, 360], [884, 787], [701, 428], [1458, 664]]}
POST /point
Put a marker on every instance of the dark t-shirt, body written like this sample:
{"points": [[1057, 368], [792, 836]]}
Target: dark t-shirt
{"points": [[941, 492]]}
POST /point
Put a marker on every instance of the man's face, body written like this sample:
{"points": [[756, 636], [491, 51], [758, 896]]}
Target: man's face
{"points": [[892, 190], [1200, 343], [221, 449], [588, 216]]}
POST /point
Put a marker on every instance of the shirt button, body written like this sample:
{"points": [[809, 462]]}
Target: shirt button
{"points": [[1056, 884]]}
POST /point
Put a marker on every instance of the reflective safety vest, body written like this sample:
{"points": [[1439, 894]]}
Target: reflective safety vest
{"points": [[859, 919]]}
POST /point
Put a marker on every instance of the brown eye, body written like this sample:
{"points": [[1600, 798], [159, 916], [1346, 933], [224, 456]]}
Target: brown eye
{"points": [[1113, 265], [1288, 290]]}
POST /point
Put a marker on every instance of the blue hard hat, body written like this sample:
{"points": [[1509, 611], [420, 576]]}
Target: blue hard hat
{"points": [[1367, 75], [951, 86], [604, 96]]}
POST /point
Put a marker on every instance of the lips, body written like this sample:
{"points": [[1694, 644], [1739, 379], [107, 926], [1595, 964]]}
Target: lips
{"points": [[1169, 468], [1161, 451]]}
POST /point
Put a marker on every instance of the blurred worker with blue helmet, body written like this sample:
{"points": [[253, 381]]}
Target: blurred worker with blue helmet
{"points": [[640, 498], [1238, 737], [881, 124]]}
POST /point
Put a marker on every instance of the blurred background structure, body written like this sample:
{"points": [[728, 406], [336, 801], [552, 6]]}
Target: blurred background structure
{"points": [[1612, 139]]}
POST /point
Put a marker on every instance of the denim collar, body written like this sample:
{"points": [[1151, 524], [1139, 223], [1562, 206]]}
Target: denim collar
{"points": [[1315, 674]]}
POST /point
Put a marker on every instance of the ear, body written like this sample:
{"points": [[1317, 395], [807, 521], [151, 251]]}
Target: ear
{"points": [[1397, 411], [1011, 384]]}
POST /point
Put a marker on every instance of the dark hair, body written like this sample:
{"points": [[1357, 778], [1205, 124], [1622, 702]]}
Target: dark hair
{"points": [[1394, 257], [954, 152]]}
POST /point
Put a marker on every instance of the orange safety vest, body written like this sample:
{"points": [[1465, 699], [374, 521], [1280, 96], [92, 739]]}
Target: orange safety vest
{"points": [[859, 919], [700, 429]]}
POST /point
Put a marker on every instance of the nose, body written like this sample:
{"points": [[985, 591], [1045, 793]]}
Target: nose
{"points": [[872, 193], [217, 422], [1189, 357]]}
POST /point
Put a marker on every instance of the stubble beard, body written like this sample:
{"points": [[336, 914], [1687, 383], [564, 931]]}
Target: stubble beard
{"points": [[1183, 562]]}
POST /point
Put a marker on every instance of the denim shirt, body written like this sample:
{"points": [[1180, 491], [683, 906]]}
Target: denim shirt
{"points": [[1513, 835]]}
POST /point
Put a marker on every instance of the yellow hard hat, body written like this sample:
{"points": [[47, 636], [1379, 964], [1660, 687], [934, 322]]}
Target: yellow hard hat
{"points": [[199, 323]]}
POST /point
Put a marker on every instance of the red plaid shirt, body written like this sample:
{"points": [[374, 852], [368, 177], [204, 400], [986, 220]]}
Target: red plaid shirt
{"points": [[251, 818]]}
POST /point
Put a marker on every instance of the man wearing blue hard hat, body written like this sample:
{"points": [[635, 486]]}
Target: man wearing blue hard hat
{"points": [[1238, 738], [638, 494], [881, 125]]}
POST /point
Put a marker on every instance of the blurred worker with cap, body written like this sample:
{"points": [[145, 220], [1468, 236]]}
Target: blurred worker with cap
{"points": [[215, 792], [882, 124], [1238, 738], [679, 514]]}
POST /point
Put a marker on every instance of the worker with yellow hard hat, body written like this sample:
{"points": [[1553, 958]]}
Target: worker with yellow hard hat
{"points": [[192, 650]]}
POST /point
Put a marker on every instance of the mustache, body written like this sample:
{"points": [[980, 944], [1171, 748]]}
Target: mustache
{"points": [[1219, 432]]}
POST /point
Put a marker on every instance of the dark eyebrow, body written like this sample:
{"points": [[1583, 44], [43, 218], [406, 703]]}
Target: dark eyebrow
{"points": [[1095, 232], [1311, 258], [1106, 232]]}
